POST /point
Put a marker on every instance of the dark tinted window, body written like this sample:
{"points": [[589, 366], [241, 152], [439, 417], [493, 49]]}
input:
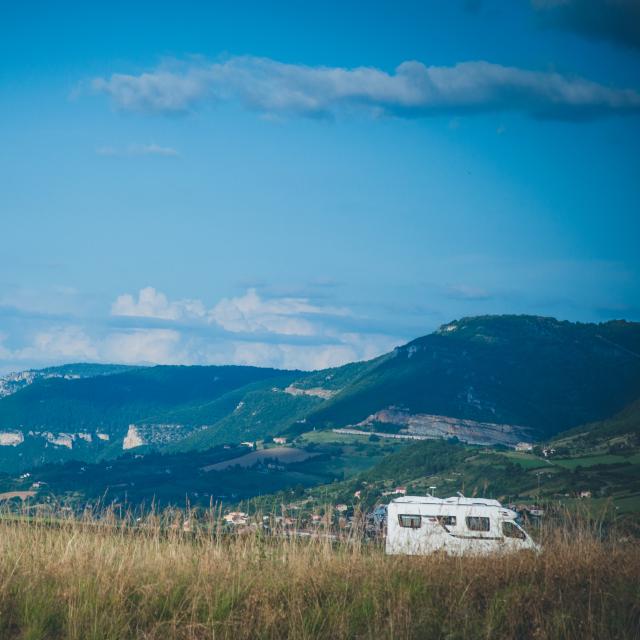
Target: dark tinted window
{"points": [[510, 530], [411, 522], [447, 521], [478, 524]]}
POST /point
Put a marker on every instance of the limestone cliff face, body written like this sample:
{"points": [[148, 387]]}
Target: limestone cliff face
{"points": [[11, 438], [16, 438], [139, 435], [133, 438], [471, 431]]}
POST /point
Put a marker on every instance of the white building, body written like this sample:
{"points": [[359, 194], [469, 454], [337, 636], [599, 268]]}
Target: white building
{"points": [[236, 518]]}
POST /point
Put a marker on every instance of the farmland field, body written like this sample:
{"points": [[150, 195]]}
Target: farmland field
{"points": [[590, 461], [284, 455]]}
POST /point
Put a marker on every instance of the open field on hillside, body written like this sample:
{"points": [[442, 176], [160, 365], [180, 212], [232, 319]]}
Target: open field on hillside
{"points": [[97, 580], [284, 455], [22, 495], [527, 460], [591, 461], [330, 436]]}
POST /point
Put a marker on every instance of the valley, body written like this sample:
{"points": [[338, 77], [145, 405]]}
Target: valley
{"points": [[448, 410]]}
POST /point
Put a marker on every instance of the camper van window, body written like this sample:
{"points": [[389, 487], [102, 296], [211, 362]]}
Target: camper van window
{"points": [[447, 521], [411, 522], [510, 530], [478, 524]]}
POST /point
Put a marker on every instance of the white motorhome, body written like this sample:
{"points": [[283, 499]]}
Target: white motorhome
{"points": [[418, 525]]}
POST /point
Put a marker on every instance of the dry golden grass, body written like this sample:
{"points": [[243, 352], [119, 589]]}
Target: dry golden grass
{"points": [[93, 579]]}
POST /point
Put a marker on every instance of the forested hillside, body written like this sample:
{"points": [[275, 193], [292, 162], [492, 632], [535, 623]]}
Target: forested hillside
{"points": [[485, 380]]}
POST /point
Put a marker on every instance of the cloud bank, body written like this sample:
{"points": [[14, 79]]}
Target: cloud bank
{"points": [[615, 20], [271, 326], [154, 304], [284, 316], [286, 332], [412, 90]]}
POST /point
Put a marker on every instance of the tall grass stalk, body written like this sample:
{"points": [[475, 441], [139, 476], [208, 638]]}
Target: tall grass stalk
{"points": [[99, 576]]}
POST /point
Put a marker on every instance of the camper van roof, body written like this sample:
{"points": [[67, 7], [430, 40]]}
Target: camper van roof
{"points": [[456, 500]]}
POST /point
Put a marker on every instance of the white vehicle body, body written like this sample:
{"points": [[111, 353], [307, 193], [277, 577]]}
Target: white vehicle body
{"points": [[418, 525]]}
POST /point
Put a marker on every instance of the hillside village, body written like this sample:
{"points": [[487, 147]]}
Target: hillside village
{"points": [[533, 480], [336, 445]]}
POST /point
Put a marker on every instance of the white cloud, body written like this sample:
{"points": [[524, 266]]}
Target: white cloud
{"points": [[332, 350], [154, 304], [285, 316], [467, 292], [283, 321], [151, 150], [138, 150], [170, 346], [284, 332], [250, 313], [369, 345], [4, 352], [412, 90], [163, 91], [145, 346], [287, 356], [107, 151], [68, 343], [56, 299], [73, 344]]}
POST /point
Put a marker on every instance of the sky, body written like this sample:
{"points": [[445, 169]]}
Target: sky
{"points": [[300, 184]]}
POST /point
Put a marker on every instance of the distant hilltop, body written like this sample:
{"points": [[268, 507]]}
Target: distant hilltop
{"points": [[485, 380]]}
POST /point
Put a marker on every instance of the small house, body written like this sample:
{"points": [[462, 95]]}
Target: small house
{"points": [[236, 518]]}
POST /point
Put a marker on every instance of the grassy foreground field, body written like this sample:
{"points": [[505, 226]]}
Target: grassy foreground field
{"points": [[91, 581]]}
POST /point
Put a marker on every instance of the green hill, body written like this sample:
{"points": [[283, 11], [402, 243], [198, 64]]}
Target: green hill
{"points": [[522, 370], [486, 380], [112, 402], [13, 382], [59, 419], [362, 472], [608, 477], [619, 433]]}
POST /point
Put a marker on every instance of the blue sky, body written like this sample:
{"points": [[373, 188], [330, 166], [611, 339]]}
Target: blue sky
{"points": [[300, 185]]}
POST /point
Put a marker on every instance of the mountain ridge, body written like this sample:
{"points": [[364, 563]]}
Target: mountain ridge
{"points": [[533, 375]]}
